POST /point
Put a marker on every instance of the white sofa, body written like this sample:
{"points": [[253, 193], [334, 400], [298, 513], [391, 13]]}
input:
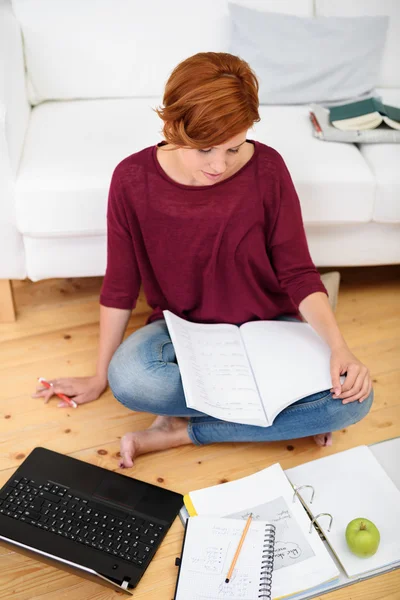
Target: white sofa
{"points": [[80, 78]]}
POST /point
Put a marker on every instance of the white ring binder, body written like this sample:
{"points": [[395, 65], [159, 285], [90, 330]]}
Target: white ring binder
{"points": [[267, 563], [321, 515], [300, 487]]}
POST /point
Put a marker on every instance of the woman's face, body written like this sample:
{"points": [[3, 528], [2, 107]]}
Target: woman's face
{"points": [[205, 167]]}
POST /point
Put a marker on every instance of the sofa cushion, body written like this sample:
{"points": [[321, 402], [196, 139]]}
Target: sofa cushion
{"points": [[72, 148], [389, 72], [384, 162], [334, 183], [300, 60], [121, 48]]}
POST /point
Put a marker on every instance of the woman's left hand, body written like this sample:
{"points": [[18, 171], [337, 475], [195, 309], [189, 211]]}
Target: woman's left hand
{"points": [[357, 385]]}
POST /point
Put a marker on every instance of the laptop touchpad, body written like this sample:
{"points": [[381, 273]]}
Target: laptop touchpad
{"points": [[127, 493]]}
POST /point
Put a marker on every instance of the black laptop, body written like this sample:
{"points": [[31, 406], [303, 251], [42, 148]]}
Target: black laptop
{"points": [[101, 525]]}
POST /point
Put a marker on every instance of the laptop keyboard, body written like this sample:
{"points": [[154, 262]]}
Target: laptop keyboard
{"points": [[53, 508]]}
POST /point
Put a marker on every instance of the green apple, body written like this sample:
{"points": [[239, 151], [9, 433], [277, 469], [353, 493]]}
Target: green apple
{"points": [[362, 537]]}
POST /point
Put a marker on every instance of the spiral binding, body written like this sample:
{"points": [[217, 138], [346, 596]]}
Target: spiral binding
{"points": [[267, 563]]}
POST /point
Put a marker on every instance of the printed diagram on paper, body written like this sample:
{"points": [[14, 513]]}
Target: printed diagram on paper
{"points": [[291, 545]]}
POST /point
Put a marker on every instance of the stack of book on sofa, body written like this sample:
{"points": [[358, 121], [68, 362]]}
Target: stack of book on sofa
{"points": [[365, 121]]}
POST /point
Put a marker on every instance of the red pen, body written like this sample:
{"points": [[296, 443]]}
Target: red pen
{"points": [[48, 385]]}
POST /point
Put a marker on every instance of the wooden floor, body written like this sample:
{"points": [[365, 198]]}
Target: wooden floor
{"points": [[56, 335]]}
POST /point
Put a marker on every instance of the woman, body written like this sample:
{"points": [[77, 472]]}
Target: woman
{"points": [[209, 223]]}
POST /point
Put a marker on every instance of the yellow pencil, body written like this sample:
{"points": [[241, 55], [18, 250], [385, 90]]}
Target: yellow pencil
{"points": [[245, 530]]}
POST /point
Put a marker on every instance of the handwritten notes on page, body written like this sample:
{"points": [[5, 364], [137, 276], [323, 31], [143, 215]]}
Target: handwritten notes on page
{"points": [[210, 545], [291, 544], [302, 560], [289, 361], [216, 375]]}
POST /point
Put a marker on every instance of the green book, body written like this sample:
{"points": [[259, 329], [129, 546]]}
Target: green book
{"points": [[365, 114]]}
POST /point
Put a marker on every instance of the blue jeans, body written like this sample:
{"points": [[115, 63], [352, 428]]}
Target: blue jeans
{"points": [[144, 376]]}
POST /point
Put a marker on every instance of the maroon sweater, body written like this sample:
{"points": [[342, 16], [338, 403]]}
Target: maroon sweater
{"points": [[228, 252]]}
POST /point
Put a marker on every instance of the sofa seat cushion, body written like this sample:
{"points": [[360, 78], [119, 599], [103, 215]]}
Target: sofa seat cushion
{"points": [[333, 181], [71, 150], [384, 162]]}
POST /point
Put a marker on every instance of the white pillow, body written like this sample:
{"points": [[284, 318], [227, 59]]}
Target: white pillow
{"points": [[300, 60]]}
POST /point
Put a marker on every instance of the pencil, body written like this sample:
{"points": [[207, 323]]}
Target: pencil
{"points": [[315, 123], [245, 530], [48, 385]]}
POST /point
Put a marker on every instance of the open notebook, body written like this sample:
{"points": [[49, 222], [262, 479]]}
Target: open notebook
{"points": [[248, 374], [208, 548], [355, 483]]}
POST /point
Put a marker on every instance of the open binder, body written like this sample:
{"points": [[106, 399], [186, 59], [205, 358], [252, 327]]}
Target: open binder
{"points": [[329, 492]]}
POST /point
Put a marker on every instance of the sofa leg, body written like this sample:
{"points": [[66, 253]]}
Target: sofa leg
{"points": [[7, 308]]}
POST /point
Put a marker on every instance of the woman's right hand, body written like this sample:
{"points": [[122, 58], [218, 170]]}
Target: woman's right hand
{"points": [[79, 389]]}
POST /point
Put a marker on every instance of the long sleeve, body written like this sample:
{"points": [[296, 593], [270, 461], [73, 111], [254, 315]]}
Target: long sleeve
{"points": [[121, 283], [288, 248]]}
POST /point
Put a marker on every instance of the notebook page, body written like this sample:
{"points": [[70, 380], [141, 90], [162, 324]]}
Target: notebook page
{"points": [[216, 375], [349, 485], [289, 361], [303, 561], [210, 545]]}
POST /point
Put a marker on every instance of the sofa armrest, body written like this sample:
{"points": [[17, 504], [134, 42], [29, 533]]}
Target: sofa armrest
{"points": [[14, 106], [14, 118]]}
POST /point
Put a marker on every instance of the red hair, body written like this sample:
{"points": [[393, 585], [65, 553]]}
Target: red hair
{"points": [[208, 99]]}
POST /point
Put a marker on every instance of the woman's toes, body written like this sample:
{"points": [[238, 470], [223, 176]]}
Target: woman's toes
{"points": [[126, 461], [323, 439], [128, 450]]}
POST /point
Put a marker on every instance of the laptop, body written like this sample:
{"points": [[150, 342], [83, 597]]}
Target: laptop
{"points": [[87, 520]]}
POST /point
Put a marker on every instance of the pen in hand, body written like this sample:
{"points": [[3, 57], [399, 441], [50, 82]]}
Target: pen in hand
{"points": [[48, 385], [245, 530]]}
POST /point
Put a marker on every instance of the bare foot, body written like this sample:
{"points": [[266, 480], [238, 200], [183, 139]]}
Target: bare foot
{"points": [[165, 432], [323, 439]]}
